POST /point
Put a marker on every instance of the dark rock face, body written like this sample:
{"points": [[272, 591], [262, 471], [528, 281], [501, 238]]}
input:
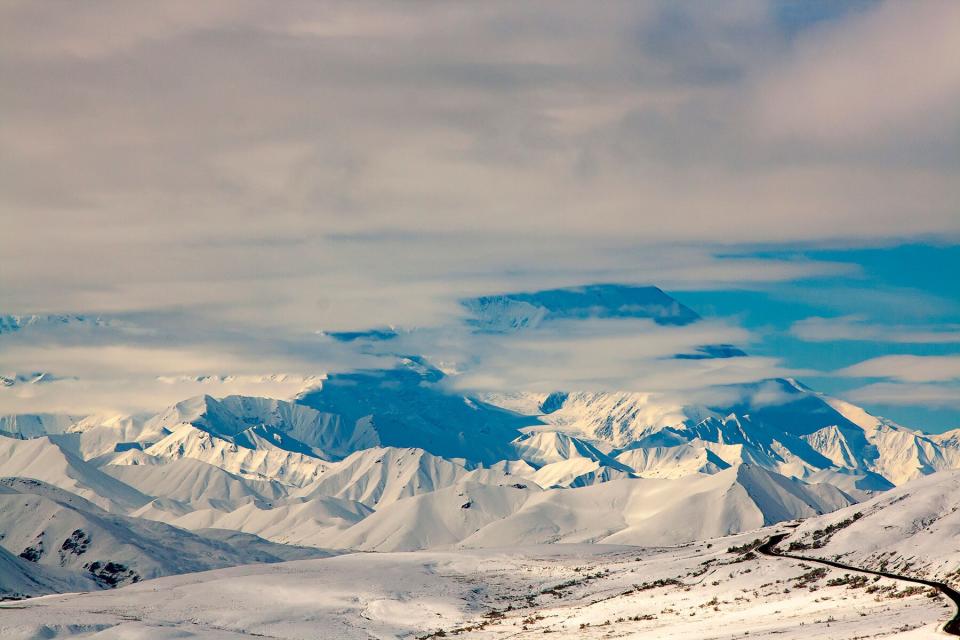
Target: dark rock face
{"points": [[112, 574], [76, 544]]}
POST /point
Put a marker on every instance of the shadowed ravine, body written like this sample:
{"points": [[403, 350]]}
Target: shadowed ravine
{"points": [[952, 626]]}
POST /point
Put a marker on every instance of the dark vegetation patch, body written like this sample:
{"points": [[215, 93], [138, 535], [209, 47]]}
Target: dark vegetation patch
{"points": [[77, 544], [111, 574], [822, 536], [34, 552]]}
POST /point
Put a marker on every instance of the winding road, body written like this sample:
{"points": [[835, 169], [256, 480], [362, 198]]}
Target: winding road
{"points": [[952, 626]]}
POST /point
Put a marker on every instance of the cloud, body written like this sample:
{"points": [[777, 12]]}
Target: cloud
{"points": [[238, 155], [816, 329], [128, 368], [897, 394], [598, 355], [133, 395], [907, 368], [236, 175], [351, 282], [872, 77]]}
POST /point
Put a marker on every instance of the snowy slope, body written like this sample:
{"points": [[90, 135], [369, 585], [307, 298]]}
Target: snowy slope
{"points": [[85, 436], [680, 460], [421, 501], [341, 497], [383, 475], [911, 529], [258, 458], [257, 549], [242, 420], [616, 418], [409, 407], [540, 448], [34, 425], [195, 483], [578, 472], [58, 529], [312, 522], [438, 519], [630, 511], [43, 459], [21, 578], [564, 591], [561, 460], [780, 425]]}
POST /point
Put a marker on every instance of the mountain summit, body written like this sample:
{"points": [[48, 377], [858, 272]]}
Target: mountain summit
{"points": [[513, 311]]}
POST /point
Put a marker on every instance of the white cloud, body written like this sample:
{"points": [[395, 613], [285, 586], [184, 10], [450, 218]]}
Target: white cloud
{"points": [[907, 368], [908, 394], [816, 329], [101, 370], [603, 355], [254, 171], [875, 76], [216, 156]]}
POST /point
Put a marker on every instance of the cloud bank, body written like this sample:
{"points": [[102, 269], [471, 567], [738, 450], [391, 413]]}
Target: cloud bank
{"points": [[236, 175], [306, 154]]}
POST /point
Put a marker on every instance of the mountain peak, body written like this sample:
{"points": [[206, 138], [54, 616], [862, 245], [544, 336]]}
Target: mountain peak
{"points": [[513, 311]]}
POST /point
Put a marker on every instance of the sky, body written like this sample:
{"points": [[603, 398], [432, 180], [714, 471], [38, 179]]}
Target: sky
{"points": [[218, 182]]}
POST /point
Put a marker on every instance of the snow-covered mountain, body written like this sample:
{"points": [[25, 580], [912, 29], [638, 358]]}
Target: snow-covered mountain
{"points": [[43, 459], [561, 460], [568, 439], [383, 475], [12, 323], [409, 406], [20, 379], [57, 529], [245, 421], [195, 484], [398, 459], [314, 522], [21, 578], [257, 458], [779, 425], [34, 425], [513, 311], [362, 494], [85, 436], [680, 460], [793, 430], [626, 511]]}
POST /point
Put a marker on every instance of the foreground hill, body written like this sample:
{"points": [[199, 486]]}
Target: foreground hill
{"points": [[21, 578], [58, 530], [559, 591], [913, 529]]}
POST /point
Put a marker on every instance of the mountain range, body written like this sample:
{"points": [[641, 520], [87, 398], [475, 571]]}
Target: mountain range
{"points": [[397, 459]]}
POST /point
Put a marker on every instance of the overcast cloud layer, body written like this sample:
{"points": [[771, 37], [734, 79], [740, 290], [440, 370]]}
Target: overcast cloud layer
{"points": [[252, 172]]}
